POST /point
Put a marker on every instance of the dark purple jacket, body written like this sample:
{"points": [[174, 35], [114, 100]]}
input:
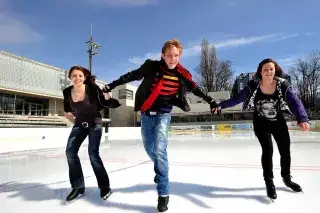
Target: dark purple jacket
{"points": [[290, 97]]}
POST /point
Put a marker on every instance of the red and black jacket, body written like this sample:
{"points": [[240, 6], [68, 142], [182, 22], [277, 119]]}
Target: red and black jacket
{"points": [[160, 84]]}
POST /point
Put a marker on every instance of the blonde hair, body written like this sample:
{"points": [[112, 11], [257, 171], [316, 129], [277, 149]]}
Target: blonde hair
{"points": [[173, 42]]}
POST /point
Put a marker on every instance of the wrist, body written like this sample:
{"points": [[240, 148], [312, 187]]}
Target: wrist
{"points": [[209, 100]]}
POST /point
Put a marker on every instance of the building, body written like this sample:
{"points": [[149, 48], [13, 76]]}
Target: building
{"points": [[31, 88], [200, 110], [28, 87], [242, 80], [124, 115]]}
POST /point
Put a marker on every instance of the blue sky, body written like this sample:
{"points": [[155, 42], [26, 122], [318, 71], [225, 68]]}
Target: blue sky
{"points": [[244, 31]]}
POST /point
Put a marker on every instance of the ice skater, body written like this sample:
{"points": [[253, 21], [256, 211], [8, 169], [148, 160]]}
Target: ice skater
{"points": [[165, 83], [270, 96], [83, 101]]}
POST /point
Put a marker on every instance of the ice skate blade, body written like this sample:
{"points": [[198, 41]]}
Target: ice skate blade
{"points": [[166, 211], [72, 201], [107, 195]]}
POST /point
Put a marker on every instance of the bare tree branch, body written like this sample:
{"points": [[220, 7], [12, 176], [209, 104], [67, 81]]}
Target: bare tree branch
{"points": [[306, 77], [212, 74]]}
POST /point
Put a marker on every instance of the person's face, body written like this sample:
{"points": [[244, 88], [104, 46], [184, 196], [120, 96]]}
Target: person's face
{"points": [[77, 77], [269, 110], [171, 57], [268, 71]]}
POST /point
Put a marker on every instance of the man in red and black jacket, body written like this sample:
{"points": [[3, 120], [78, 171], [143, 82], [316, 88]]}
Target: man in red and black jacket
{"points": [[164, 85]]}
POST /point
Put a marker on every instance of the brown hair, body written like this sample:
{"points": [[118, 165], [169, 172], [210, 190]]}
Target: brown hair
{"points": [[173, 42], [90, 79], [278, 70]]}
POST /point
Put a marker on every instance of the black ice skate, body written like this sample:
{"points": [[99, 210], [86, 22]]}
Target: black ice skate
{"points": [[75, 194], [292, 185], [271, 189], [163, 203], [105, 193]]}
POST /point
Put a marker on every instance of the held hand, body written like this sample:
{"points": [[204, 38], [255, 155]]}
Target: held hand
{"points": [[69, 116], [106, 89], [213, 106], [106, 96], [218, 109], [305, 126]]}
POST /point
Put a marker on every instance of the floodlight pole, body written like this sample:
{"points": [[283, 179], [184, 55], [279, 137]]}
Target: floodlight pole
{"points": [[93, 49]]}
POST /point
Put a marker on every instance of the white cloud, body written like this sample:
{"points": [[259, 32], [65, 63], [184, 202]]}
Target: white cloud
{"points": [[139, 60], [284, 37], [15, 31], [243, 41], [124, 3], [310, 34], [196, 49], [289, 61]]}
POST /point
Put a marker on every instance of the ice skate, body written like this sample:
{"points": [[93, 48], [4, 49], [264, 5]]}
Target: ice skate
{"points": [[163, 203], [105, 193], [74, 195], [271, 189], [292, 185]]}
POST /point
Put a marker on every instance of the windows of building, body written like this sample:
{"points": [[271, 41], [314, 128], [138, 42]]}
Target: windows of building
{"points": [[22, 105], [126, 94]]}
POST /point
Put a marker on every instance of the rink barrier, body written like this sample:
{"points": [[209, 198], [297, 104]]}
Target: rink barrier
{"points": [[218, 127], [24, 139]]}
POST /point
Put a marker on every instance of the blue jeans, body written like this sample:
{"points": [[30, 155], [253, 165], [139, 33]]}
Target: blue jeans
{"points": [[77, 136], [154, 131]]}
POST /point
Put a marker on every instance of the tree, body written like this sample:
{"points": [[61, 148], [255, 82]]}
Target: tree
{"points": [[213, 75], [305, 76]]}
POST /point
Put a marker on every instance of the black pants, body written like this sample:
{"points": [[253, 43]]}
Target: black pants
{"points": [[77, 136], [279, 130]]}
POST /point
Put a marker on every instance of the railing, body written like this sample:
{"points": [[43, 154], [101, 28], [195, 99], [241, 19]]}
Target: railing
{"points": [[34, 118], [49, 118], [207, 117]]}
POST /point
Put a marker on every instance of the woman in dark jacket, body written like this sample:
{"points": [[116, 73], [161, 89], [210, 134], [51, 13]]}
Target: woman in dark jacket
{"points": [[83, 101], [270, 96]]}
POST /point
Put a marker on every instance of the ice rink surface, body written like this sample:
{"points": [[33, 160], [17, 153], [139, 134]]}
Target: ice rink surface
{"points": [[209, 172]]}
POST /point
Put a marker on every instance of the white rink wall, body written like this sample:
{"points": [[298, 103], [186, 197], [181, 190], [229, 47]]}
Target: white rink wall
{"points": [[24, 139]]}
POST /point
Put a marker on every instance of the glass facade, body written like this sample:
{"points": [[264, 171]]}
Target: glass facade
{"points": [[22, 105]]}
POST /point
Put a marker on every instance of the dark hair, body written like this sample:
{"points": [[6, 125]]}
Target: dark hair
{"points": [[90, 79], [278, 70]]}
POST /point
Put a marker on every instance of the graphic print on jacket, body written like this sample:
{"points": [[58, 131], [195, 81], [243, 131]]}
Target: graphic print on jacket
{"points": [[169, 90]]}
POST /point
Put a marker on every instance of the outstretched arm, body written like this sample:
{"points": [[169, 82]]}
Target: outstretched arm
{"points": [[105, 100], [240, 97], [296, 106], [134, 75], [195, 89], [192, 86]]}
